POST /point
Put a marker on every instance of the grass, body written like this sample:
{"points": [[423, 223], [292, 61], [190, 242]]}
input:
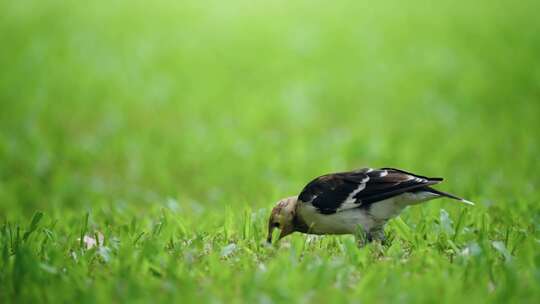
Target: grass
{"points": [[165, 131]]}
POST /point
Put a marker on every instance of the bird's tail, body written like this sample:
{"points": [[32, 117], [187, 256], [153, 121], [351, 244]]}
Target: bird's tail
{"points": [[449, 196]]}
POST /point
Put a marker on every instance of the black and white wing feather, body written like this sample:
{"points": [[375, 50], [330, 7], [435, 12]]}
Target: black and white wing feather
{"points": [[336, 192]]}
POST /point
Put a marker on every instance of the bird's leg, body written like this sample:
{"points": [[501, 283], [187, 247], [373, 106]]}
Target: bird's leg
{"points": [[377, 234], [361, 236]]}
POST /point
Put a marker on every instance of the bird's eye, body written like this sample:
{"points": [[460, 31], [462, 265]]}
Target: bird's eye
{"points": [[276, 225]]}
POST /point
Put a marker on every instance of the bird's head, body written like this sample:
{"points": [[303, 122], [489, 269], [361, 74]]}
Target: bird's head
{"points": [[282, 217]]}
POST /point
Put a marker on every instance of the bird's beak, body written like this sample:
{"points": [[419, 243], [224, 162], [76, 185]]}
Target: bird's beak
{"points": [[284, 232], [269, 237]]}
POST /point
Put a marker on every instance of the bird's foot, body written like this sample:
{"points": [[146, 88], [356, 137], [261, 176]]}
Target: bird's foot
{"points": [[362, 238], [361, 243], [372, 236], [377, 236]]}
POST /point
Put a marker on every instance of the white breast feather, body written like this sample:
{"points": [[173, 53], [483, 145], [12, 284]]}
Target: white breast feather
{"points": [[344, 222]]}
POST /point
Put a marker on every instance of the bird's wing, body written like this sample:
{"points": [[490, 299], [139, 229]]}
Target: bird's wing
{"points": [[341, 191]]}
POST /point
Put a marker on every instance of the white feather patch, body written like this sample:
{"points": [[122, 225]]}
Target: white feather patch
{"points": [[467, 202], [350, 201], [312, 199]]}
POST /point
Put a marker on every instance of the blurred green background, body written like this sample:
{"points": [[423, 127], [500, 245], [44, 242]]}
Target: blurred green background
{"points": [[207, 108]]}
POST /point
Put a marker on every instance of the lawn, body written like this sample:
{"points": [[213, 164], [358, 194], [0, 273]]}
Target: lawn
{"points": [[143, 144]]}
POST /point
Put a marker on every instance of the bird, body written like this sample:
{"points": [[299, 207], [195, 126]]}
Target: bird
{"points": [[358, 202]]}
